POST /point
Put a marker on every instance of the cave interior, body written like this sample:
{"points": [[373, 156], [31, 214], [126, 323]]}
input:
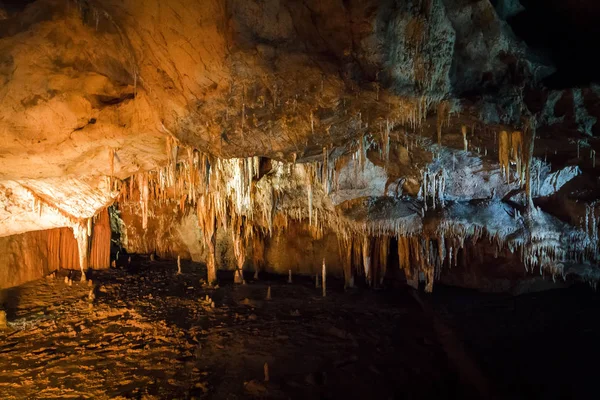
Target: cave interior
{"points": [[299, 199]]}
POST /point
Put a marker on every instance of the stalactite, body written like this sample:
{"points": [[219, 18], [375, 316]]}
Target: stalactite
{"points": [[366, 254], [504, 154], [529, 144], [516, 152], [442, 114], [309, 189], [384, 249], [345, 252], [324, 279], [363, 153], [142, 179], [386, 142]]}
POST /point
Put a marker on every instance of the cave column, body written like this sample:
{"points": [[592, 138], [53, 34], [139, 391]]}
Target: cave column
{"points": [[530, 140], [239, 251], [81, 233], [366, 253]]}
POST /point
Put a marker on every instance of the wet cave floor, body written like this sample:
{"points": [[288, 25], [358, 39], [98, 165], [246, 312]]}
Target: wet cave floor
{"points": [[148, 333]]}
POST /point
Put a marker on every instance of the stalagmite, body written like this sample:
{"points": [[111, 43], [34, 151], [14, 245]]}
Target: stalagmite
{"points": [[211, 261], [324, 279], [268, 293], [317, 284], [178, 265], [289, 276], [266, 371], [239, 251], [464, 135]]}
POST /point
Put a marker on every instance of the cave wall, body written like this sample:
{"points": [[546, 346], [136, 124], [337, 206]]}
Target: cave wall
{"points": [[33, 255]]}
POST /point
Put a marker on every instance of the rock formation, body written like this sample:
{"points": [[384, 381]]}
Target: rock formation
{"points": [[388, 138]]}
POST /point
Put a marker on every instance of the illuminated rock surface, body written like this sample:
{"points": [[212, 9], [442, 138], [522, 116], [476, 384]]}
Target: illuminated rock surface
{"points": [[418, 142]]}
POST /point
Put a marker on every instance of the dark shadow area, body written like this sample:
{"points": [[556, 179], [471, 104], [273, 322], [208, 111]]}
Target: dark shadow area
{"points": [[566, 31], [9, 301], [156, 325], [12, 6], [534, 346]]}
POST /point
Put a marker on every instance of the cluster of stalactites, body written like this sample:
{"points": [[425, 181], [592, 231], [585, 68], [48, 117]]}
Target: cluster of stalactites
{"points": [[224, 192], [433, 187], [366, 257], [420, 258], [545, 251]]}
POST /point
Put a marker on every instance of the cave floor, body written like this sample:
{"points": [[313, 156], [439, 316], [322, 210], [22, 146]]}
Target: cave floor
{"points": [[151, 334]]}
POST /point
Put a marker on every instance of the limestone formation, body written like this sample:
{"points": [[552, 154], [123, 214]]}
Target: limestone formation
{"points": [[234, 132]]}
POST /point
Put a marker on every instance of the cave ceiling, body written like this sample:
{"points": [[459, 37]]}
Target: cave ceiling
{"points": [[378, 117]]}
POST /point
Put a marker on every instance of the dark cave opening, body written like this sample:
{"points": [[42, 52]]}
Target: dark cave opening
{"points": [[567, 32]]}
